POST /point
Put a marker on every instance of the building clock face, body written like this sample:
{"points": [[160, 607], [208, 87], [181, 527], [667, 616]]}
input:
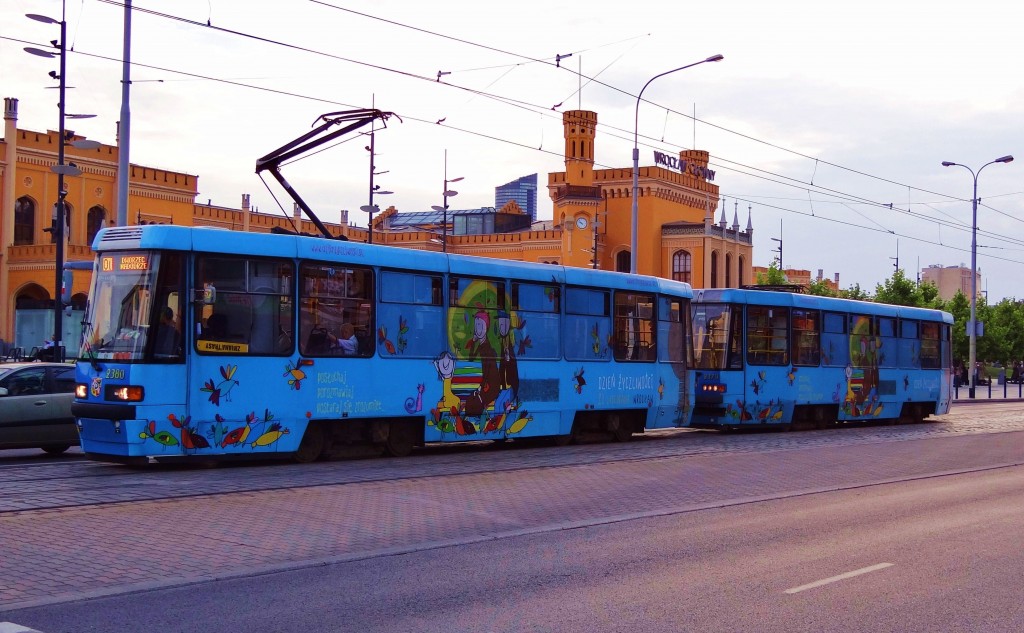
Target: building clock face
{"points": [[581, 222]]}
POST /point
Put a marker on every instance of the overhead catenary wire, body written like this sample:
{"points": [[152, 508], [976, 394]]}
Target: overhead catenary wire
{"points": [[786, 181]]}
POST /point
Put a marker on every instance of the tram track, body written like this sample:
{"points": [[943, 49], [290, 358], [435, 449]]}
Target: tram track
{"points": [[73, 484]]}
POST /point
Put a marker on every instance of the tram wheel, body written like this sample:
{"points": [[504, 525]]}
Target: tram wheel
{"points": [[401, 439], [312, 445], [56, 450], [621, 431]]}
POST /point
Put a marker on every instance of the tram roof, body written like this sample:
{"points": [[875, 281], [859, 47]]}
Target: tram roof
{"points": [[218, 240], [816, 302]]}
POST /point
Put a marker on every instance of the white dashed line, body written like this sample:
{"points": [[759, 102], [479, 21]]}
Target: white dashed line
{"points": [[849, 574]]}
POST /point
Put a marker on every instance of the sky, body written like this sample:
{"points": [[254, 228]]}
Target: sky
{"points": [[826, 121]]}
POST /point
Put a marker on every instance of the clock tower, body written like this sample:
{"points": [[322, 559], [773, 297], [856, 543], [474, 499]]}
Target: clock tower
{"points": [[576, 202]]}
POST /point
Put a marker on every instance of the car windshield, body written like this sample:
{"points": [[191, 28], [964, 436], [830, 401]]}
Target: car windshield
{"points": [[130, 293]]}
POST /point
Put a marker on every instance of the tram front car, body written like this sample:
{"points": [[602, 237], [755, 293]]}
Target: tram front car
{"points": [[131, 364]]}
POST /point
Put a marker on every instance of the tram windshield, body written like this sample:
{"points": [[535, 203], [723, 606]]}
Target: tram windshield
{"points": [[133, 312], [713, 347]]}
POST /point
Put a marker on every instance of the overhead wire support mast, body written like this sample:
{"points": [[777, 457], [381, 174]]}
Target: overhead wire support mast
{"points": [[316, 137]]}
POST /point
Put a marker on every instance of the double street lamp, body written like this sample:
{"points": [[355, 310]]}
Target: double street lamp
{"points": [[972, 325], [446, 193], [636, 156]]}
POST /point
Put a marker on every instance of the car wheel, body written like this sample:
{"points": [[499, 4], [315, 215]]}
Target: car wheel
{"points": [[56, 450]]}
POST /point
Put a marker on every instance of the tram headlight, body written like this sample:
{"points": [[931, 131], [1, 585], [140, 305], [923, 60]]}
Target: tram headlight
{"points": [[717, 388], [81, 391], [126, 393]]}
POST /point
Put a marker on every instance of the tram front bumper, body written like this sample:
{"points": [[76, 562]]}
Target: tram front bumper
{"points": [[115, 438]]}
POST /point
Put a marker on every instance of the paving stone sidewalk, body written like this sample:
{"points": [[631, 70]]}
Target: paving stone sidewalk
{"points": [[58, 555]]}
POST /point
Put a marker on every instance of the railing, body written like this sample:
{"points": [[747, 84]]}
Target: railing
{"points": [[576, 191], [1006, 389]]}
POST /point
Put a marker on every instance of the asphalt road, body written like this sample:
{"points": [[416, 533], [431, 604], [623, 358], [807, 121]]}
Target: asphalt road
{"points": [[914, 528]]}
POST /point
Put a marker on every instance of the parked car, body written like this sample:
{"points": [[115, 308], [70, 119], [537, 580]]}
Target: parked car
{"points": [[35, 406]]}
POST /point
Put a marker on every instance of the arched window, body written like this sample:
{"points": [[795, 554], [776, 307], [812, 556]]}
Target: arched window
{"points": [[97, 215], [739, 273], [728, 270], [622, 262], [24, 220], [682, 266], [714, 270]]}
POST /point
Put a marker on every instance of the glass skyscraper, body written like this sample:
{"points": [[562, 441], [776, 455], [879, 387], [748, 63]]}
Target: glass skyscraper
{"points": [[523, 191]]}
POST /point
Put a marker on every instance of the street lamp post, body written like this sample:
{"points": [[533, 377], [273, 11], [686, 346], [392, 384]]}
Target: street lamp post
{"points": [[636, 155], [61, 169], [374, 189], [972, 325], [446, 193]]}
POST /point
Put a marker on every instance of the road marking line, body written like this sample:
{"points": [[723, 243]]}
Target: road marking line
{"points": [[849, 574]]}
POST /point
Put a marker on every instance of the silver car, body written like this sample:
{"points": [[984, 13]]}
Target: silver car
{"points": [[35, 406]]}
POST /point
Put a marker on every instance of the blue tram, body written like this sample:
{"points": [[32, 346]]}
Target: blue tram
{"points": [[203, 343], [777, 358]]}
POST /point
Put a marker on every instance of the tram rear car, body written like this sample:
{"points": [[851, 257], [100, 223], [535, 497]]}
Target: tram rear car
{"points": [[765, 358]]}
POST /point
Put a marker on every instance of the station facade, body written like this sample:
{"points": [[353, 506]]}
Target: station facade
{"points": [[591, 223]]}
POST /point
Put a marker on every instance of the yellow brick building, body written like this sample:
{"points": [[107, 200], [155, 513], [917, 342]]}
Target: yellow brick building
{"points": [[592, 211]]}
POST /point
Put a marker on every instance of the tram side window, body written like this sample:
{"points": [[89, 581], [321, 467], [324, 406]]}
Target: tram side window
{"points": [[535, 324], [252, 311], [588, 325], [767, 335], [946, 346], [672, 314], [806, 338], [634, 327], [474, 308], [835, 345], [888, 352], [910, 357], [411, 315], [863, 352], [930, 356], [335, 307], [711, 340]]}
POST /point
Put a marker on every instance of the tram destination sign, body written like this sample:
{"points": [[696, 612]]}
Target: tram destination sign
{"points": [[684, 167]]}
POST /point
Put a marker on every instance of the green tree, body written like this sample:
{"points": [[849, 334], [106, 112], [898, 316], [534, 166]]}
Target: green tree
{"points": [[821, 288], [855, 292], [898, 290], [774, 276], [930, 296], [959, 307]]}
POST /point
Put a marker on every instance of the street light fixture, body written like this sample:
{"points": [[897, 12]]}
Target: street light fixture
{"points": [[972, 325], [446, 193], [636, 155], [372, 208]]}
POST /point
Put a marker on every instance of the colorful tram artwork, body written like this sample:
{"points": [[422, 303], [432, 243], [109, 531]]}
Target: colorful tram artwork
{"points": [[777, 358], [200, 344]]}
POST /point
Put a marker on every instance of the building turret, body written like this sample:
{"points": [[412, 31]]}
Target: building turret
{"points": [[579, 127]]}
